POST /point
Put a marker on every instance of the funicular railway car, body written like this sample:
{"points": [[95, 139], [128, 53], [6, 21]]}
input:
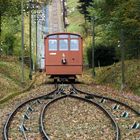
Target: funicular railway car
{"points": [[63, 55]]}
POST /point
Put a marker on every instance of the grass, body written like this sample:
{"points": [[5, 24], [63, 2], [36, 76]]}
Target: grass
{"points": [[10, 76], [74, 17], [14, 94], [111, 75]]}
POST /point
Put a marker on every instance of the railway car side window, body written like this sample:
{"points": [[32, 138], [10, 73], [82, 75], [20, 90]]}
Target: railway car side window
{"points": [[53, 45], [74, 45], [63, 45]]}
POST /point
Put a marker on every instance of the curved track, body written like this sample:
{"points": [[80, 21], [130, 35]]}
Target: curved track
{"points": [[11, 116], [117, 130], [60, 93], [126, 116], [93, 95]]}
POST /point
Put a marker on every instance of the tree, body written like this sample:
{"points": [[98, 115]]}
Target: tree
{"points": [[83, 8], [9, 22], [3, 6], [114, 15]]}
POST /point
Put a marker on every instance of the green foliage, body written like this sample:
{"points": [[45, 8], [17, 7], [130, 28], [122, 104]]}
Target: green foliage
{"points": [[113, 15], [10, 7], [9, 40], [83, 8], [74, 17], [11, 35], [10, 26]]}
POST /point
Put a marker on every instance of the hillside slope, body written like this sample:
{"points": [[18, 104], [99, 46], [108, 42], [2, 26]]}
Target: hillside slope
{"points": [[10, 76], [111, 76]]}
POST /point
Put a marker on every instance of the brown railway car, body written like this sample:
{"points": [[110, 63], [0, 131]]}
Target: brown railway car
{"points": [[63, 55]]}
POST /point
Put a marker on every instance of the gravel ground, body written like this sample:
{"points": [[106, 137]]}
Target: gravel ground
{"points": [[71, 119], [6, 108], [126, 97], [124, 123]]}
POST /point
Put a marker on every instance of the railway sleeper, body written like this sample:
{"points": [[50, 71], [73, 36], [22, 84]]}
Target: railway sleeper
{"points": [[25, 116], [116, 107], [125, 114], [22, 128], [135, 125]]}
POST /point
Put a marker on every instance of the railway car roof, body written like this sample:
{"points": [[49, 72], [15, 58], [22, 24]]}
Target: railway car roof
{"points": [[62, 34]]}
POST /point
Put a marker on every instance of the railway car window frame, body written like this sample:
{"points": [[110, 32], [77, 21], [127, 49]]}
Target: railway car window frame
{"points": [[73, 47], [63, 48], [52, 48]]}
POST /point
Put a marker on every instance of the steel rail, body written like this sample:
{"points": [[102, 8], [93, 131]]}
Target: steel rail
{"points": [[42, 127], [42, 115], [107, 98], [11, 116]]}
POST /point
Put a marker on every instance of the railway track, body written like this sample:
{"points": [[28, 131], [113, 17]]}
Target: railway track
{"points": [[55, 18], [23, 112], [127, 118], [44, 133], [29, 117]]}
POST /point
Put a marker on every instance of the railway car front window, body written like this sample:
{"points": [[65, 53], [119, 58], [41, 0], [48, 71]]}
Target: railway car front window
{"points": [[74, 45], [52, 45], [63, 45], [63, 36], [53, 36], [74, 36]]}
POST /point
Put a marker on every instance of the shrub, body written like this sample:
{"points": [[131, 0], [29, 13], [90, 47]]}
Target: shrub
{"points": [[9, 44], [104, 55]]}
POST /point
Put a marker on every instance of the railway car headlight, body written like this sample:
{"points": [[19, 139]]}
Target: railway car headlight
{"points": [[64, 61]]}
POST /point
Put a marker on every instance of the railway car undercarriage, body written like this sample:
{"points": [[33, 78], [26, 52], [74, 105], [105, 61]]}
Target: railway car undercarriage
{"points": [[63, 78]]}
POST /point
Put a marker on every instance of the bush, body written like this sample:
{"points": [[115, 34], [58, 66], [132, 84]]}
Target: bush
{"points": [[8, 45], [104, 55]]}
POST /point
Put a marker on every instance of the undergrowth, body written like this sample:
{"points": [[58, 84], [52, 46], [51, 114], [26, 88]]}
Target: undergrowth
{"points": [[10, 76], [111, 75]]}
